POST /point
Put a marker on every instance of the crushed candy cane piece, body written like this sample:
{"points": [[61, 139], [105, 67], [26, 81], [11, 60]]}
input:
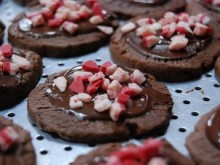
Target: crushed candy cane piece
{"points": [[60, 83]]}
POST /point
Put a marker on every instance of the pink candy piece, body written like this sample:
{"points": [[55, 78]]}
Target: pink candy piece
{"points": [[70, 27], [202, 18], [47, 13], [168, 30], [150, 41], [201, 30], [178, 42], [114, 89], [105, 66], [183, 28], [97, 10], [56, 22], [120, 75], [96, 76], [106, 83], [111, 69], [122, 98], [137, 89], [183, 17], [8, 137], [10, 68], [145, 31], [37, 20], [138, 77], [6, 50], [116, 110]]}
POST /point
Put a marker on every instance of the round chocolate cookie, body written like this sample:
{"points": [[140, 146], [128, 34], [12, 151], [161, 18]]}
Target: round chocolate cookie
{"points": [[100, 108], [154, 152], [217, 69], [175, 48], [131, 8], [68, 29], [203, 143], [17, 149], [20, 71], [2, 28]]}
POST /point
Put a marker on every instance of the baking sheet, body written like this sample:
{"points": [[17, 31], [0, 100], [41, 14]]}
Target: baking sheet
{"points": [[191, 100]]}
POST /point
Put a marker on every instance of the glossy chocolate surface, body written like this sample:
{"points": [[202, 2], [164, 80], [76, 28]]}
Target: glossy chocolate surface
{"points": [[137, 106], [213, 128], [161, 50]]}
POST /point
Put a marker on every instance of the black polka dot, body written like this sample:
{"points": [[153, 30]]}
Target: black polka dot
{"points": [[198, 88], [195, 114], [60, 64], [40, 137], [11, 114], [68, 148], [206, 99], [174, 117], [182, 129], [208, 75], [178, 91], [44, 75], [186, 102], [217, 85], [43, 152]]}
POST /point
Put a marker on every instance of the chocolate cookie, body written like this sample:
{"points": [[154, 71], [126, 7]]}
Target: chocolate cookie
{"points": [[175, 48], [17, 148], [130, 8], [20, 71], [2, 28], [151, 151], [217, 69], [111, 105], [203, 143], [64, 29]]}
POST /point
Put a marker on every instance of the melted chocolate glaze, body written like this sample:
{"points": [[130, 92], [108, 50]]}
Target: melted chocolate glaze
{"points": [[148, 2], [213, 128], [137, 106], [8, 80], [209, 6], [161, 50]]}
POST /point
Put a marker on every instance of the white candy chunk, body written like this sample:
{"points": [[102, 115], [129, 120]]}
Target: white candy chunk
{"points": [[84, 97], [101, 97], [128, 27], [192, 21], [150, 41], [96, 76], [8, 136], [52, 5], [178, 42], [81, 73], [184, 25], [137, 89], [201, 30], [120, 75], [85, 9], [202, 18], [163, 22], [183, 17], [116, 110], [62, 12], [102, 105], [157, 161], [22, 63], [71, 4], [43, 2], [37, 20], [60, 83], [105, 84], [145, 31], [169, 30], [138, 77], [70, 27], [10, 68], [216, 2], [156, 26], [145, 21], [96, 19], [114, 89], [111, 69], [75, 103], [170, 17], [106, 29], [73, 16]]}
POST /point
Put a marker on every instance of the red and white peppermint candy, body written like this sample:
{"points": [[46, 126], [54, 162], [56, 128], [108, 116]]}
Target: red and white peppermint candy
{"points": [[111, 69], [81, 74], [10, 68], [116, 110], [106, 83], [6, 50], [71, 4], [102, 105], [96, 76], [145, 21], [37, 20], [183, 28], [145, 31], [84, 97], [178, 42], [22, 62], [70, 27], [150, 41], [75, 103], [138, 77], [130, 26], [120, 75], [96, 19], [105, 29], [137, 89], [8, 137], [201, 30], [168, 30], [114, 89], [60, 83], [183, 17], [216, 2], [202, 18], [170, 17], [157, 161]]}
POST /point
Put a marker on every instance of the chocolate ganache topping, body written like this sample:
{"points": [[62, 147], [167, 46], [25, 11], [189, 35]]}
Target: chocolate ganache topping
{"points": [[136, 106], [209, 5], [174, 37], [148, 2], [78, 19], [213, 128]]}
